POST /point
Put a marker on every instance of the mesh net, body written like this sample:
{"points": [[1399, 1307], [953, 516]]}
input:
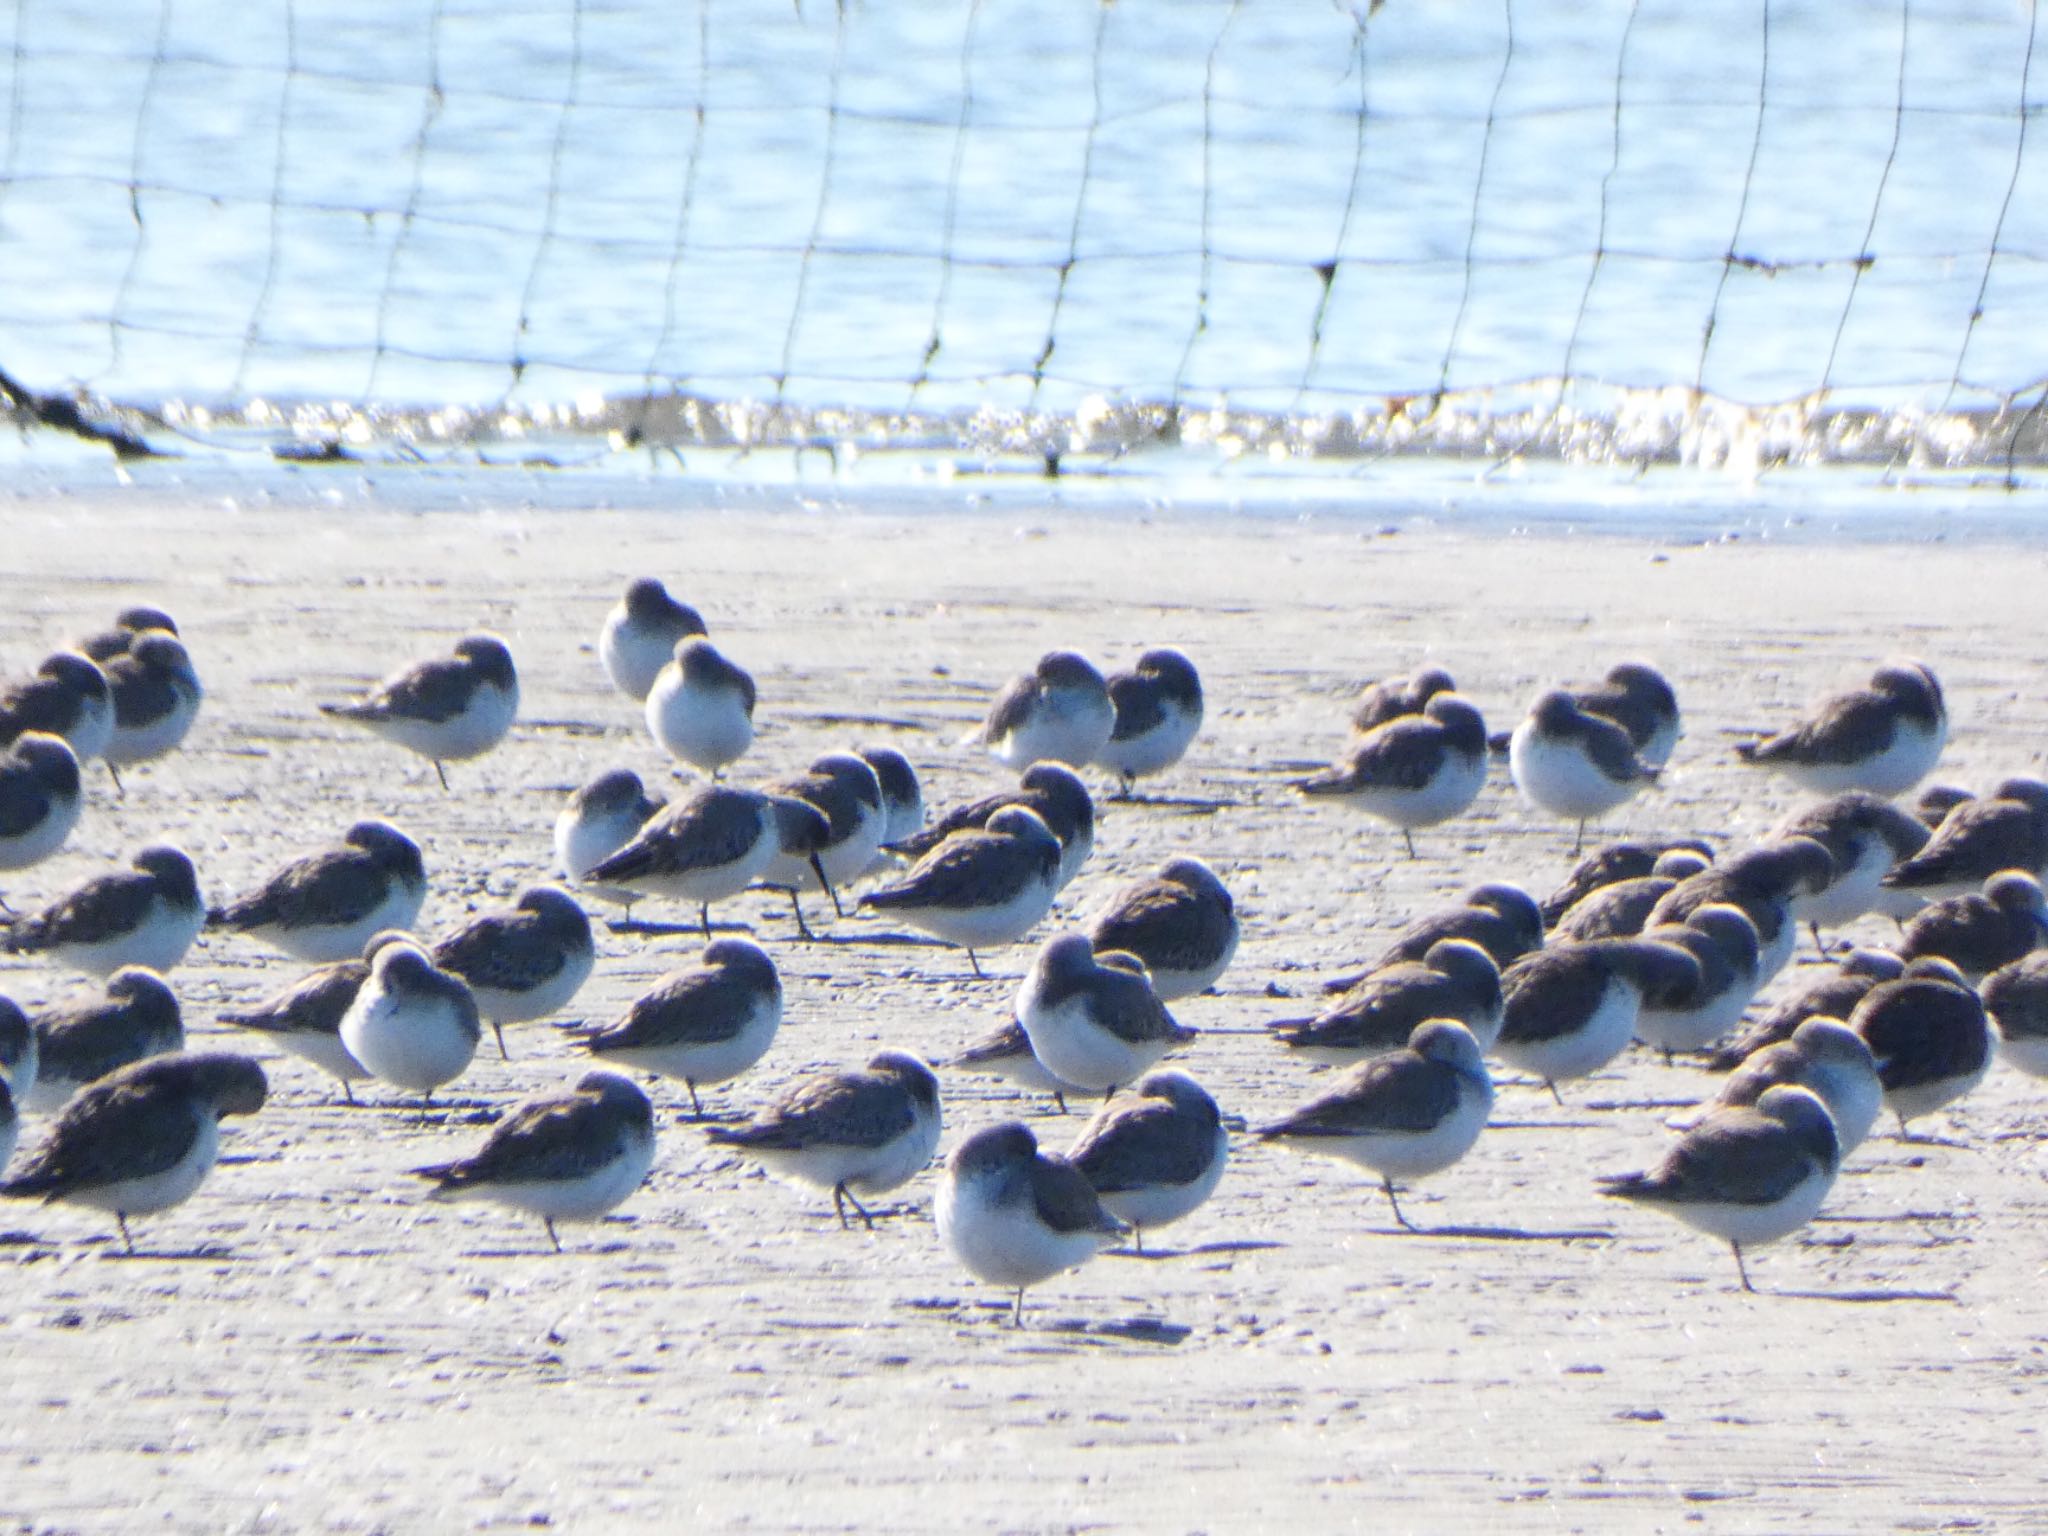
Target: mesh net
{"points": [[1049, 230]]}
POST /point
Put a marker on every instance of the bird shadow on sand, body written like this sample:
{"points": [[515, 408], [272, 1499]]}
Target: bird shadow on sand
{"points": [[1864, 1296], [1195, 805], [205, 1253], [1045, 1327], [1481, 1234], [1199, 1251]]}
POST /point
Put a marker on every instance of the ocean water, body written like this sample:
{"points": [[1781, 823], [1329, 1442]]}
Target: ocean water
{"points": [[1145, 235]]}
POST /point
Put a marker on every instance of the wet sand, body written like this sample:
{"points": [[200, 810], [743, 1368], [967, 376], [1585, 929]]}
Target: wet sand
{"points": [[306, 1345]]}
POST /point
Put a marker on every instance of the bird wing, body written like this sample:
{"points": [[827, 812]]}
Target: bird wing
{"points": [[97, 910], [547, 1139], [1066, 1201], [1398, 1092], [1141, 1142], [1140, 704], [323, 887], [434, 690], [843, 1109], [107, 1134]]}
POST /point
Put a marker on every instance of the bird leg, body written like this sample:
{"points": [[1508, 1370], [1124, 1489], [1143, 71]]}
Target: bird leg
{"points": [[549, 1223], [696, 1108], [121, 1217], [443, 772], [499, 1030], [803, 928], [1387, 1183], [977, 966], [1060, 1099], [1408, 838], [704, 917], [841, 1192], [1814, 929], [1554, 1093], [1741, 1268], [1578, 846], [818, 864], [348, 1092], [115, 774], [1017, 1311]]}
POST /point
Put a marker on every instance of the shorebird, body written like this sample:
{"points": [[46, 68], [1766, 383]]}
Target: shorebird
{"points": [[305, 1017], [702, 848], [640, 636], [143, 1138], [1832, 994], [1884, 738], [1180, 921], [1573, 764], [1158, 711], [1639, 699], [1094, 1023], [2016, 998], [1765, 882], [1932, 805], [1867, 837], [1013, 1215], [1394, 697], [1723, 941], [522, 963], [104, 645], [447, 709], [1747, 1175], [1457, 980], [1154, 1154], [1980, 932], [706, 1023], [600, 819], [1403, 1115], [156, 695], [1416, 771], [41, 796], [66, 696], [1050, 791], [979, 889], [325, 906], [1572, 1008], [701, 707], [1006, 1053], [847, 793], [572, 1156], [1611, 863], [902, 795], [1060, 711], [1930, 1035], [1501, 919], [133, 1017], [855, 1133], [412, 1025], [1620, 910], [2006, 829], [1825, 1056], [147, 914], [20, 1051]]}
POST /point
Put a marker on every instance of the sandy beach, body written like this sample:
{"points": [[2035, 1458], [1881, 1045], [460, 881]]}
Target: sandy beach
{"points": [[306, 1345]]}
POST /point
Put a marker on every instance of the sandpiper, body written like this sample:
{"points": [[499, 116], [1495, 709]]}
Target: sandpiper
{"points": [[1884, 738], [1158, 707], [847, 792], [325, 906], [1638, 698], [1180, 921], [20, 1051], [1154, 1154], [41, 796], [640, 636], [1932, 805], [705, 1023], [600, 819], [105, 644], [979, 889], [1392, 698], [1765, 882], [1620, 910], [143, 1138], [1417, 771], [1930, 1035], [1013, 1215], [1006, 1053], [1611, 863], [701, 707], [134, 1016], [1867, 837], [412, 1025], [572, 1156], [1501, 919], [1404, 1114], [902, 795], [1980, 932], [2016, 997], [1457, 980], [702, 848], [148, 914], [1060, 711], [2006, 829], [446, 709], [156, 695], [862, 1132], [1572, 1008], [1723, 941], [1094, 1024], [1826, 1056], [1573, 764], [1832, 993], [66, 696], [305, 1017], [1748, 1175], [522, 963], [1051, 791]]}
